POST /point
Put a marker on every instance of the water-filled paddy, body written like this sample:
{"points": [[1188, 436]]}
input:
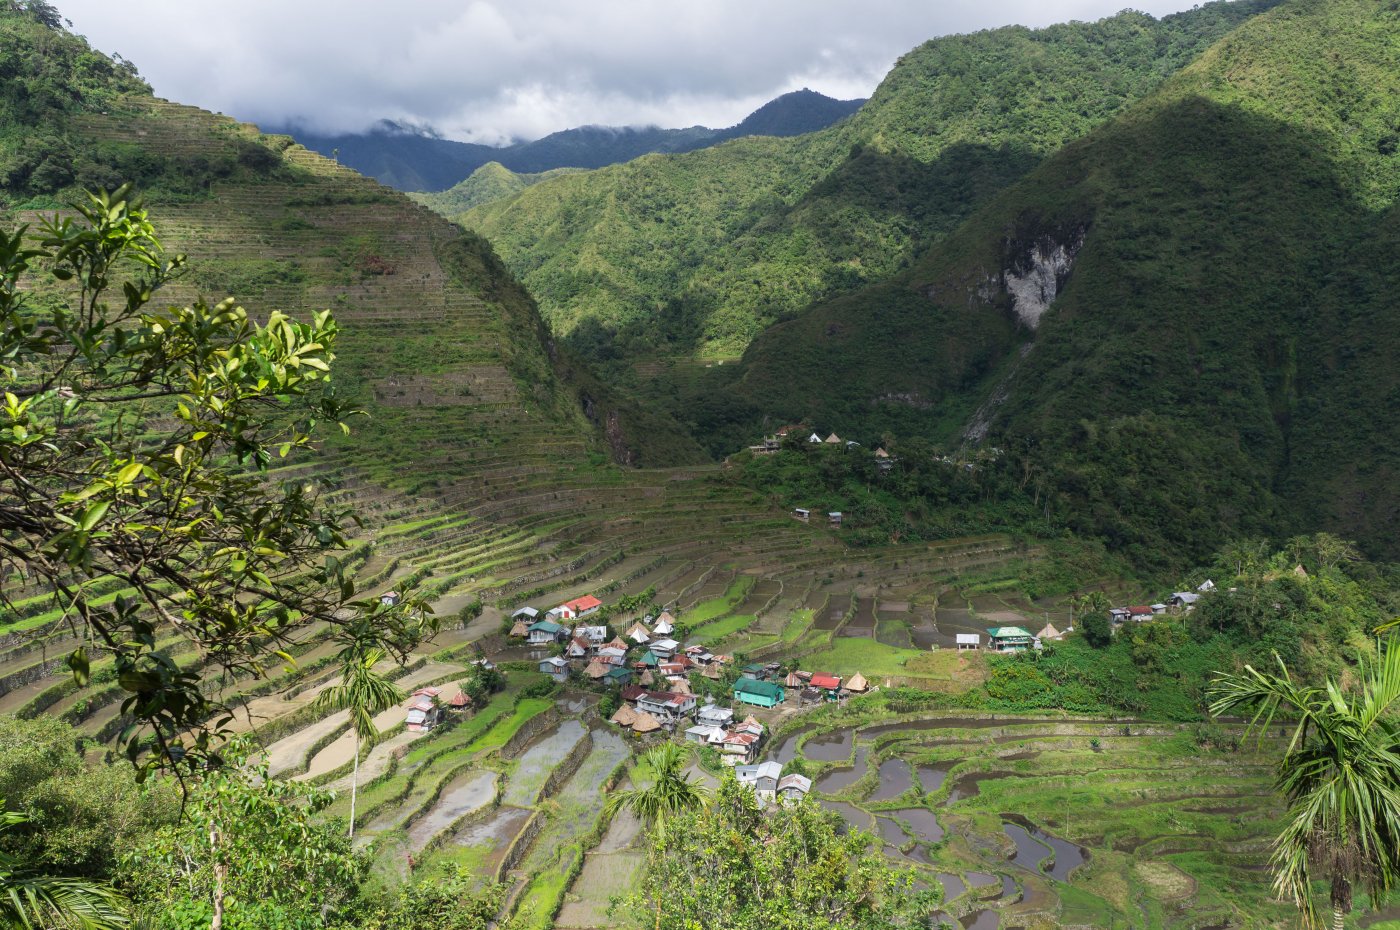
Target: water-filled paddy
{"points": [[895, 779]]}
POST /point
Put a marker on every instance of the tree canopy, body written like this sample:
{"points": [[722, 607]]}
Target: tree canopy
{"points": [[136, 499], [733, 866]]}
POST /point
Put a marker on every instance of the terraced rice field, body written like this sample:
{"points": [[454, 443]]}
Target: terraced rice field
{"points": [[479, 479], [1049, 821]]}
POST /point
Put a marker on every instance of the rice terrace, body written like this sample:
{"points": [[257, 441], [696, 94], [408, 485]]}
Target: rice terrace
{"points": [[718, 537]]}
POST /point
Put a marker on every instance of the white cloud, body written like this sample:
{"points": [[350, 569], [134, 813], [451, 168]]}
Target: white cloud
{"points": [[488, 70]]}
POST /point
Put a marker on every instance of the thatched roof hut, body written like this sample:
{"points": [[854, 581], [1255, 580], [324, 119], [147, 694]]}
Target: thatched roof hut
{"points": [[625, 716], [857, 683], [645, 723]]}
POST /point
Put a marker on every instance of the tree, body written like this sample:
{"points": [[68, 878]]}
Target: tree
{"points": [[250, 843], [453, 901], [29, 899], [669, 793], [1097, 629], [1340, 775], [364, 693], [733, 866], [180, 521]]}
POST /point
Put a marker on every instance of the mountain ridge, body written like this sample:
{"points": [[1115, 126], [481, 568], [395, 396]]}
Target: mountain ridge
{"points": [[610, 255], [415, 160]]}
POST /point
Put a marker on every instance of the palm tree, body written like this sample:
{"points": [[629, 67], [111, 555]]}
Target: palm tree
{"points": [[1340, 775], [670, 791], [364, 693], [29, 900]]}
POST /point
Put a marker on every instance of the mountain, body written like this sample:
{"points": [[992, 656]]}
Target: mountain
{"points": [[491, 182], [1186, 319], [441, 345], [414, 160], [693, 255]]}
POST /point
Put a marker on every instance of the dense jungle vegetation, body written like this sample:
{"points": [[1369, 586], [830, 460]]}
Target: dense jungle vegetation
{"points": [[698, 252]]}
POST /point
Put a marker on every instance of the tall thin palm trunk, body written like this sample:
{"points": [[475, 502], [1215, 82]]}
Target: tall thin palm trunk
{"points": [[354, 782]]}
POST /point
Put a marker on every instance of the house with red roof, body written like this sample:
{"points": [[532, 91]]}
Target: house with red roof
{"points": [[581, 606]]}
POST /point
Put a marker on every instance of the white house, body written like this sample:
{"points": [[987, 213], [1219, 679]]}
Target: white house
{"points": [[702, 734], [596, 635], [666, 706], [424, 712], [712, 715], [762, 778], [528, 614], [555, 668], [793, 788], [664, 648], [969, 641]]}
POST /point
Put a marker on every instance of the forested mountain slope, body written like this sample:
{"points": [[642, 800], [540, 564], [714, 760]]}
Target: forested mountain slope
{"points": [[697, 253], [441, 345], [1188, 319], [491, 182]]}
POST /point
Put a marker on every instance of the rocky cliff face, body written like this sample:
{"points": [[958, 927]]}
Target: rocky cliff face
{"points": [[1035, 278]]}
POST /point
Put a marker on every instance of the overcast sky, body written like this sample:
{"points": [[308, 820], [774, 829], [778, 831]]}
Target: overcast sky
{"points": [[492, 70]]}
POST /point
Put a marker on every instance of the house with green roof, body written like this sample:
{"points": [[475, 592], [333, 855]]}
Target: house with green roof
{"points": [[1009, 639], [618, 676], [544, 631], [759, 693]]}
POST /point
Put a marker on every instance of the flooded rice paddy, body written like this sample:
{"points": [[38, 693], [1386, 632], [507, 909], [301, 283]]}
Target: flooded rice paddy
{"points": [[916, 835], [534, 766], [467, 792]]}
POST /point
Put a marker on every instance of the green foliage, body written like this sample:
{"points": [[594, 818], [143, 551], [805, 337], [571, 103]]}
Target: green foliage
{"points": [[29, 898], [487, 184], [183, 517], [248, 843], [1159, 669], [454, 900], [1341, 778], [1186, 386], [1097, 630], [79, 818], [668, 793], [732, 866], [925, 495], [698, 252]]}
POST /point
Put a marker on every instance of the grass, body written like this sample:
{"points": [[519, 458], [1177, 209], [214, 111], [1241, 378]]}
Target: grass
{"points": [[719, 606], [498, 736], [872, 659], [715, 632]]}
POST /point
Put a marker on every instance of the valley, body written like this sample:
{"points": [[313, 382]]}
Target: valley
{"points": [[980, 631]]}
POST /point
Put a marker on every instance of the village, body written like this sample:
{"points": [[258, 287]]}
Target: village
{"points": [[658, 688]]}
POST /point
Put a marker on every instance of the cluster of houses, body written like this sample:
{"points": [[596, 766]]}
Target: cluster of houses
{"points": [[426, 708], [1010, 638], [769, 783], [1019, 639], [1180, 602], [774, 443]]}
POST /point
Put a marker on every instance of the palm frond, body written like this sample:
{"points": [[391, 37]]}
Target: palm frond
{"points": [[40, 901]]}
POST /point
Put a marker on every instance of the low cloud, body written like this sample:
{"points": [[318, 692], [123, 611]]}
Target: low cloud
{"points": [[493, 70]]}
